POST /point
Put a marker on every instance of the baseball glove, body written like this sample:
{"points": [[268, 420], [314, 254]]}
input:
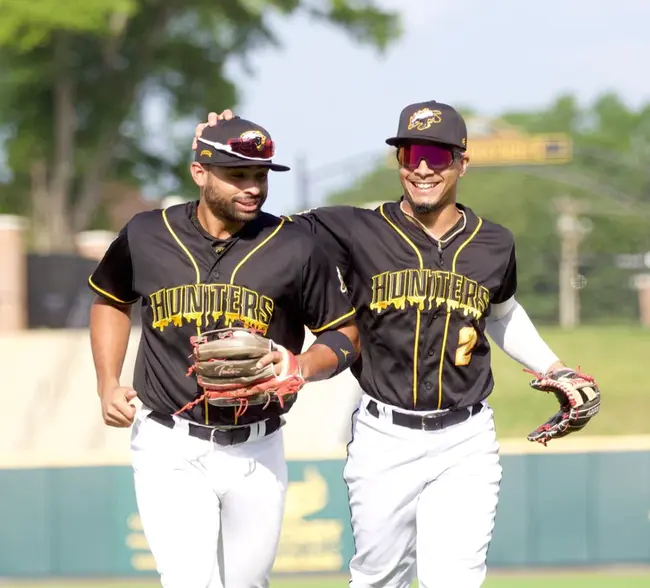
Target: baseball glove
{"points": [[224, 362], [579, 398]]}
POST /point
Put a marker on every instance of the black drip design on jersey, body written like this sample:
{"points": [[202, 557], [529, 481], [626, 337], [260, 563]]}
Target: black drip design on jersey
{"points": [[448, 317], [417, 309]]}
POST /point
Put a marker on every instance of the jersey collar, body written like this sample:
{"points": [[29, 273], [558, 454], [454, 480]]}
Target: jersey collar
{"points": [[466, 224], [250, 229]]}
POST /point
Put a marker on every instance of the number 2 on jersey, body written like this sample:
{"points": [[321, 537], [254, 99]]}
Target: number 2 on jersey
{"points": [[467, 339]]}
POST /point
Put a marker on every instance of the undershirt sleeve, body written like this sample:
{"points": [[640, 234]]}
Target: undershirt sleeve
{"points": [[510, 327]]}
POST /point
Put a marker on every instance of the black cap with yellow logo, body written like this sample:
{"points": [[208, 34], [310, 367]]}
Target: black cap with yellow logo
{"points": [[431, 121], [237, 143]]}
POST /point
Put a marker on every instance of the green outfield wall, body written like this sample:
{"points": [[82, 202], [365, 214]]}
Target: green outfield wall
{"points": [[555, 510]]}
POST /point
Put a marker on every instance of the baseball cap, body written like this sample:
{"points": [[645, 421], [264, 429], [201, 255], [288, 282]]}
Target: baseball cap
{"points": [[237, 143], [431, 121]]}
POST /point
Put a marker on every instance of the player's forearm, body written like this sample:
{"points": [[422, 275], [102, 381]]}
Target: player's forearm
{"points": [[109, 338], [512, 330], [321, 361]]}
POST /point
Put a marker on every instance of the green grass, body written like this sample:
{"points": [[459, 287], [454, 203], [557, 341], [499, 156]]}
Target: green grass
{"points": [[616, 356], [604, 579]]}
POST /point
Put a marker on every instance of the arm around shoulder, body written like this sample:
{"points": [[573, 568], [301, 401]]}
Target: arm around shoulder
{"points": [[330, 316]]}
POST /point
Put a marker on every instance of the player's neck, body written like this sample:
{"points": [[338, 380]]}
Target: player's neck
{"points": [[438, 222], [217, 227]]}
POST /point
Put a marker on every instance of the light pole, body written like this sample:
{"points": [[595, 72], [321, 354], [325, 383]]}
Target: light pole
{"points": [[571, 230]]}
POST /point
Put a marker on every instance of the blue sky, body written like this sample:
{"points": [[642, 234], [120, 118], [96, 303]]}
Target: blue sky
{"points": [[325, 97]]}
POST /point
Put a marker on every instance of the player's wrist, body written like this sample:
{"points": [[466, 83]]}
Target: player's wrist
{"points": [[305, 367], [107, 386], [556, 365]]}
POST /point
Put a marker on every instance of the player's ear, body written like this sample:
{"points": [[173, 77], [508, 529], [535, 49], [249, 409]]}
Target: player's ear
{"points": [[464, 162], [199, 174]]}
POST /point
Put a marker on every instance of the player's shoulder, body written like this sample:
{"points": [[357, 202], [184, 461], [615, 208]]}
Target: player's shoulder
{"points": [[142, 222], [299, 234], [149, 219], [492, 229], [344, 215], [338, 213]]}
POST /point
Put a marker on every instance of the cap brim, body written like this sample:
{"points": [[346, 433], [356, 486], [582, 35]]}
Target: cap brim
{"points": [[397, 141], [236, 162], [250, 163]]}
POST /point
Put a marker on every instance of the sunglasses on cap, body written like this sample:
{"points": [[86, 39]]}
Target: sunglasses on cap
{"points": [[437, 157], [247, 148]]}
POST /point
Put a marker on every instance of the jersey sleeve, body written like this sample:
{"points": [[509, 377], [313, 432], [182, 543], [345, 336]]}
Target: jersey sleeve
{"points": [[508, 285], [332, 226], [324, 301], [113, 277]]}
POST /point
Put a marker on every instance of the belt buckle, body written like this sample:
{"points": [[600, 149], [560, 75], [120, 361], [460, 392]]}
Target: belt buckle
{"points": [[223, 437], [435, 420]]}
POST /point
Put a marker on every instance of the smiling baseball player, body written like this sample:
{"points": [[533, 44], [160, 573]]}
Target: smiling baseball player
{"points": [[430, 279], [225, 292]]}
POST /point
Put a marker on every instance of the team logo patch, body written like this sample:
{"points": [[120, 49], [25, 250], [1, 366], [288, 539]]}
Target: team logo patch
{"points": [[206, 152], [422, 119], [255, 137]]}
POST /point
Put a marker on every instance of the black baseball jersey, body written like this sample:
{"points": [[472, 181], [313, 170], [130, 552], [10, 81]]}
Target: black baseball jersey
{"points": [[272, 275], [421, 303]]}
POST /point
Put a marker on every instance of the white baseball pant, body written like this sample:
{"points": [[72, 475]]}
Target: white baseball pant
{"points": [[422, 502], [205, 508]]}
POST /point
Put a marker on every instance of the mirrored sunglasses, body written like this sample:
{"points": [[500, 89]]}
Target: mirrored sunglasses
{"points": [[246, 148], [437, 157]]}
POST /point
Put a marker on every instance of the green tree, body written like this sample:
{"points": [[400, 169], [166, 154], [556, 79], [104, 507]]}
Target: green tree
{"points": [[75, 77]]}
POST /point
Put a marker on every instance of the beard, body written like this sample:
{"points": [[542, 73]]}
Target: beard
{"points": [[226, 208], [432, 203], [427, 207]]}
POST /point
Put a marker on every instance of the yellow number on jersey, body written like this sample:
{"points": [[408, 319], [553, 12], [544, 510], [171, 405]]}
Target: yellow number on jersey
{"points": [[467, 339]]}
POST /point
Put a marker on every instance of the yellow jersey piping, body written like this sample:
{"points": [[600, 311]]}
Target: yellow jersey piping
{"points": [[448, 317], [417, 312], [337, 321], [197, 276], [254, 250], [97, 289]]}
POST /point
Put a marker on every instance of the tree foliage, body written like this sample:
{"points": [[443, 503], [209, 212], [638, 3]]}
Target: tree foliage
{"points": [[609, 176], [76, 77]]}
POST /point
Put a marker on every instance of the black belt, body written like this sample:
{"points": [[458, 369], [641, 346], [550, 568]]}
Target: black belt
{"points": [[220, 436], [428, 422]]}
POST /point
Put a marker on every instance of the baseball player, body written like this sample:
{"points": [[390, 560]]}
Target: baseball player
{"points": [[430, 279], [225, 292]]}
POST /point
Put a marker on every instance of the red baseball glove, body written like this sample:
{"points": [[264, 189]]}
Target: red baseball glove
{"points": [[579, 398]]}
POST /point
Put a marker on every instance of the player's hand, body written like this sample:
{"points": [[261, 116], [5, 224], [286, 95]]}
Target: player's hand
{"points": [[284, 363], [117, 409], [213, 117]]}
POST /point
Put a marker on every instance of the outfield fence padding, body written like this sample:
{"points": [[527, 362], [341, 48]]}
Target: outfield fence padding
{"points": [[569, 509]]}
